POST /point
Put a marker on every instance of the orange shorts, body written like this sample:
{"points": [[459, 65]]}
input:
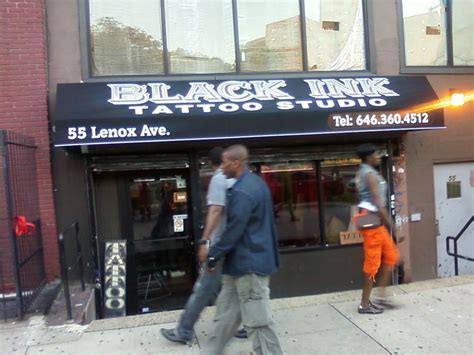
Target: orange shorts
{"points": [[379, 248]]}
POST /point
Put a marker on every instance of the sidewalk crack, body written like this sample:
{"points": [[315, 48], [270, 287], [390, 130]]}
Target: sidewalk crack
{"points": [[362, 330]]}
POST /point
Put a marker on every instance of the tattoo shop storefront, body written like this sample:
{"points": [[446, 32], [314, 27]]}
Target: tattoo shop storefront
{"points": [[144, 145]]}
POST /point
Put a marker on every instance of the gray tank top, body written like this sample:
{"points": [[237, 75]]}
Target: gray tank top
{"points": [[363, 188]]}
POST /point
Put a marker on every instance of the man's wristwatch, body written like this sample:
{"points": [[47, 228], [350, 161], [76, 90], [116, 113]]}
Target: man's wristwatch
{"points": [[204, 242], [211, 262]]}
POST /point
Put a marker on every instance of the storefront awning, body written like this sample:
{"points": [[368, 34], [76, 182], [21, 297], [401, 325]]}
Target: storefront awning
{"points": [[164, 111]]}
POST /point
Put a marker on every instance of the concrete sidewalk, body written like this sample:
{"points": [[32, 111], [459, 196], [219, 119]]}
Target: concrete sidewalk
{"points": [[434, 316]]}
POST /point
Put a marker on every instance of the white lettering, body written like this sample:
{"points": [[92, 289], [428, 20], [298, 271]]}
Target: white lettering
{"points": [[202, 90], [152, 131], [206, 107], [285, 105], [228, 90], [114, 303], [270, 90], [378, 102], [304, 104], [128, 94], [113, 133], [112, 292], [230, 107], [159, 94], [184, 108], [340, 88], [161, 109], [325, 103], [316, 87], [138, 109], [346, 103], [361, 102], [373, 87], [252, 106]]}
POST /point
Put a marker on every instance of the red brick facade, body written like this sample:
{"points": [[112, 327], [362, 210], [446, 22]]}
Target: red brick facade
{"points": [[23, 101]]}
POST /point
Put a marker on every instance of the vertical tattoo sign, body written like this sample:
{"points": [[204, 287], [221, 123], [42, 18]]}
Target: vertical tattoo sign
{"points": [[115, 278]]}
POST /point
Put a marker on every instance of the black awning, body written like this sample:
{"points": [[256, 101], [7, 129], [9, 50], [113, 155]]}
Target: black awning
{"points": [[178, 111]]}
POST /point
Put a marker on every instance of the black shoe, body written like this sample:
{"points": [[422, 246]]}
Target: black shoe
{"points": [[241, 334], [370, 309], [172, 335]]}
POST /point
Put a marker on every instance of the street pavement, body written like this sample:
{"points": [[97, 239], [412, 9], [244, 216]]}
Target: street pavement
{"points": [[435, 316]]}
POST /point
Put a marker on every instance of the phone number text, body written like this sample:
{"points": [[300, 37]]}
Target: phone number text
{"points": [[378, 119]]}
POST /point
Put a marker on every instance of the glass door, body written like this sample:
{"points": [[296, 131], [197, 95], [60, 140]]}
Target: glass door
{"points": [[163, 252]]}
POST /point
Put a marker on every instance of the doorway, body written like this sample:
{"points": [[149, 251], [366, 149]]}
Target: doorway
{"points": [[151, 211], [454, 199]]}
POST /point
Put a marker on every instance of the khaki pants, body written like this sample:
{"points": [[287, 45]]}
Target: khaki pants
{"points": [[246, 299]]}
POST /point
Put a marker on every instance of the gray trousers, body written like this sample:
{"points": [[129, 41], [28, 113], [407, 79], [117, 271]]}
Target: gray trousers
{"points": [[204, 291], [246, 299]]}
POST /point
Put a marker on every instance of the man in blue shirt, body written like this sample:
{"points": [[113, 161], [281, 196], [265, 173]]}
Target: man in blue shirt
{"points": [[208, 283], [250, 247]]}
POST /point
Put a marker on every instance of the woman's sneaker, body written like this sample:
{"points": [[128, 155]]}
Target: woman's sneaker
{"points": [[370, 309], [386, 303]]}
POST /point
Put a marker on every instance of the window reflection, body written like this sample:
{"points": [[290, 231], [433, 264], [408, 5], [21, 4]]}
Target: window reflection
{"points": [[269, 33], [205, 175], [123, 40], [162, 257], [424, 24], [294, 187], [200, 36], [463, 32], [154, 203], [339, 197], [335, 35]]}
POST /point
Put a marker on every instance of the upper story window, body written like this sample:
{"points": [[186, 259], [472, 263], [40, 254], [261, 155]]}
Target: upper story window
{"points": [[438, 33], [200, 36], [162, 37], [335, 35], [269, 40], [124, 39]]}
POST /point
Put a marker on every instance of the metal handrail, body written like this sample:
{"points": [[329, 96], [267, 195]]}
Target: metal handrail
{"points": [[66, 269], [455, 240]]}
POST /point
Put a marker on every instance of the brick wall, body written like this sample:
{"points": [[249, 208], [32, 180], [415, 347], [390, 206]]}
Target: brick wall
{"points": [[23, 101]]}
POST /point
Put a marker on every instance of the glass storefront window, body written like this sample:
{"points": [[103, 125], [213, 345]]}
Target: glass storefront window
{"points": [[125, 39], [269, 35], [200, 36], [294, 190], [162, 256], [205, 175], [424, 24], [297, 203], [463, 32], [339, 197], [335, 35]]}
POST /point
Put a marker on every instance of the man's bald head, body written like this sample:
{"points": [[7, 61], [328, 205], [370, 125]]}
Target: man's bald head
{"points": [[237, 152], [234, 160]]}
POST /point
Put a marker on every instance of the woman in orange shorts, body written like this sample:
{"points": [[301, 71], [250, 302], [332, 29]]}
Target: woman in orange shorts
{"points": [[380, 252]]}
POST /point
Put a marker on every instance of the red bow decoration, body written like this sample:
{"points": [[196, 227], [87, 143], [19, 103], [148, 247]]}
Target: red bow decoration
{"points": [[22, 227]]}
